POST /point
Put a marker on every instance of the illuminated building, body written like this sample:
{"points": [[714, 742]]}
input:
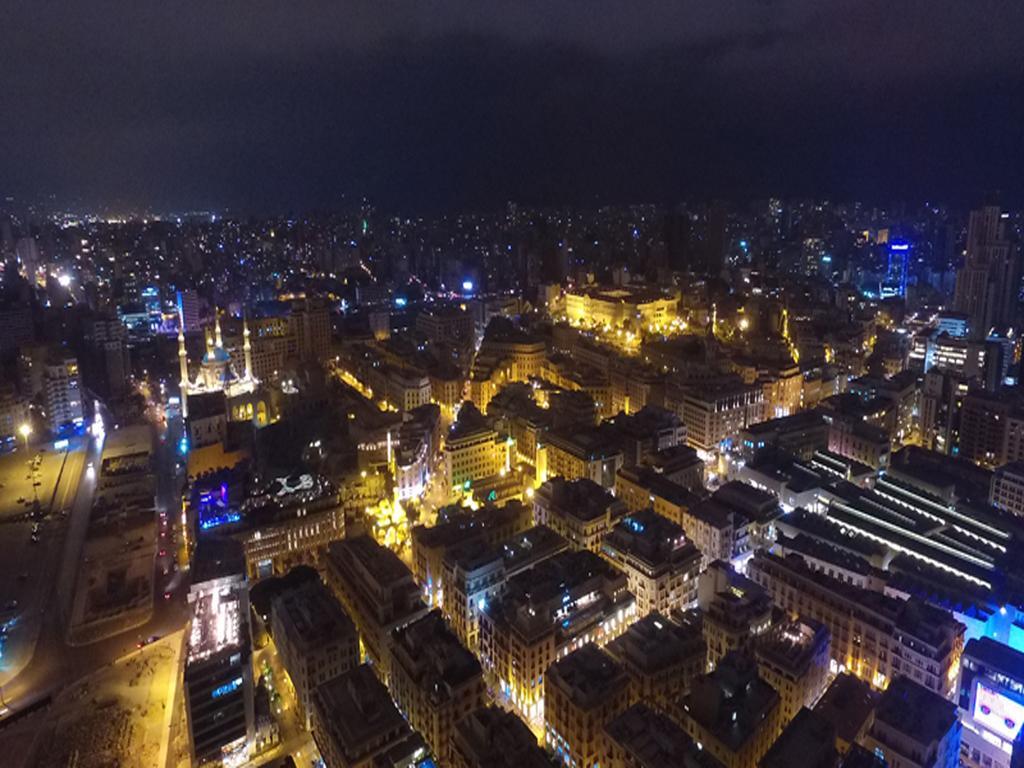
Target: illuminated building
{"points": [[475, 572], [800, 434], [1007, 490], [473, 450], [621, 306], [793, 658], [419, 439], [218, 670], [376, 590], [458, 525], [583, 692], [715, 413], [991, 428], [662, 657], [644, 738], [915, 727], [957, 354], [449, 325], [580, 453], [291, 524], [315, 640], [355, 723], [857, 440], [897, 271], [434, 680], [507, 354], [62, 391], [661, 565], [643, 434], [991, 699], [986, 286], [681, 465], [959, 556], [545, 613], [580, 510], [224, 394], [732, 713], [874, 636], [491, 737], [735, 611]]}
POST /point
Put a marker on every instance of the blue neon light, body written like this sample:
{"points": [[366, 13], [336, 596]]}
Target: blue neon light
{"points": [[216, 521], [467, 285], [224, 690], [401, 301], [900, 246]]}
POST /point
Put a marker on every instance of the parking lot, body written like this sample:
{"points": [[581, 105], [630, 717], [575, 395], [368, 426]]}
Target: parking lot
{"points": [[31, 536]]}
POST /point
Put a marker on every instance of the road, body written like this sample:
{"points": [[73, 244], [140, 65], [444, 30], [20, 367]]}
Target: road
{"points": [[55, 664]]}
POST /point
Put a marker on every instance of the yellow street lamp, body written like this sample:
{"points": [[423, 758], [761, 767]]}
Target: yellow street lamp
{"points": [[25, 430]]}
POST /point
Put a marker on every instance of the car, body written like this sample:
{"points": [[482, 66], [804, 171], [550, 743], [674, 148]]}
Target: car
{"points": [[36, 538], [168, 595], [163, 553]]}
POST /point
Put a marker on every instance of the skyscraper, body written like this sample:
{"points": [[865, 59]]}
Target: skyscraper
{"points": [[987, 284]]}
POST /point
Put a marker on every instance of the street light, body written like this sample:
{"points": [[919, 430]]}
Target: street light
{"points": [[25, 430]]}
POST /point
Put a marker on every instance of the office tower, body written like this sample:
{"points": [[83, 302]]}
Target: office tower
{"points": [[62, 391], [894, 284], [988, 282], [218, 670]]}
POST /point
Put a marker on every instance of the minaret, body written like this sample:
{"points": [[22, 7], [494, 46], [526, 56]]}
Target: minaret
{"points": [[247, 348], [209, 344], [183, 365], [216, 325]]}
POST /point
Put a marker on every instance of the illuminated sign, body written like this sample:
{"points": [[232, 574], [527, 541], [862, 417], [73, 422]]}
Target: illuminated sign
{"points": [[224, 690], [998, 712], [60, 445]]}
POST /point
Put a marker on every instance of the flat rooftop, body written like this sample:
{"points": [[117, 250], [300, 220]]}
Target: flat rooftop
{"points": [[588, 675]]}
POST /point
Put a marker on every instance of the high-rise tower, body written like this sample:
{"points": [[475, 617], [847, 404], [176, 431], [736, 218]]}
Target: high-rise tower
{"points": [[988, 283]]}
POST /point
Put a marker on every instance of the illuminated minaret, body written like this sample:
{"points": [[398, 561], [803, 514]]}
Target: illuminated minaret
{"points": [[209, 345], [216, 325], [247, 348], [183, 365]]}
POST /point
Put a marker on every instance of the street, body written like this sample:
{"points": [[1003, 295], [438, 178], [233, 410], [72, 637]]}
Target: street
{"points": [[54, 665]]}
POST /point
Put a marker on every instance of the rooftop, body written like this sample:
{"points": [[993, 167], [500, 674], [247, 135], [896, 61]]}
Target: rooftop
{"points": [[650, 538], [433, 657], [652, 740], [848, 703], [583, 499], [732, 702], [808, 741], [494, 737], [358, 713], [997, 656], [655, 643], [588, 676], [793, 644], [313, 615], [916, 711]]}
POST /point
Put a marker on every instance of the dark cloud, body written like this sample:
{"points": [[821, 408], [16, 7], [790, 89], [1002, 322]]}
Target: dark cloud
{"points": [[465, 104]]}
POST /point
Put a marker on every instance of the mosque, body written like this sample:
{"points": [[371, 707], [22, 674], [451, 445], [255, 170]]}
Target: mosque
{"points": [[218, 394]]}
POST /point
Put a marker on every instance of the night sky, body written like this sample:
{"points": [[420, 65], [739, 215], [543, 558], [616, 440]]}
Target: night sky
{"points": [[431, 106]]}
